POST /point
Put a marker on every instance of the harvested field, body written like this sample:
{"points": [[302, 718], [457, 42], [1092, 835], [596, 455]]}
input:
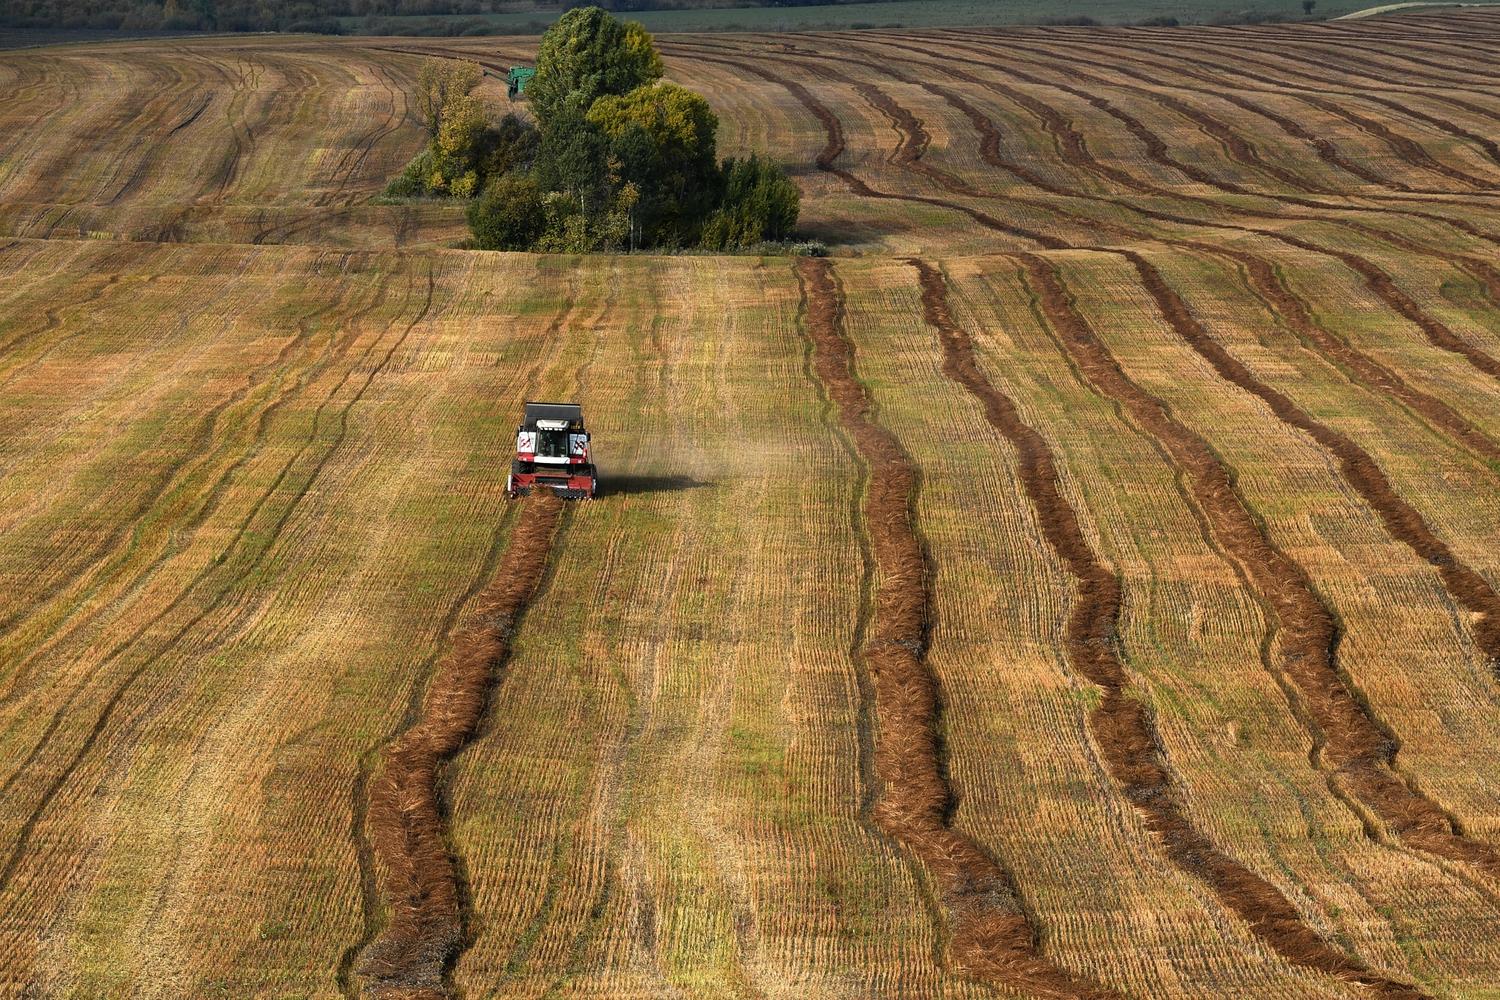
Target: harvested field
{"points": [[1085, 583]]}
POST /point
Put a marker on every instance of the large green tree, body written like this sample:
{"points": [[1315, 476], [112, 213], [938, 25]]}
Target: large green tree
{"points": [[586, 55], [661, 140]]}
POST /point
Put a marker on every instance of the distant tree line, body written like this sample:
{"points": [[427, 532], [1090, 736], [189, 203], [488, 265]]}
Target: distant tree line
{"points": [[616, 158], [296, 15]]}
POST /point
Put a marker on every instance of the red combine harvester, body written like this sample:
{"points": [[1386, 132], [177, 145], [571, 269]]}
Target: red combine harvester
{"points": [[552, 453]]}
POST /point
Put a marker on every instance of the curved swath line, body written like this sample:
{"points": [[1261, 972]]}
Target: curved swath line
{"points": [[1261, 276], [1074, 150], [1490, 147], [1321, 57], [188, 529], [916, 141], [418, 876], [23, 838], [1326, 149], [1243, 151], [1361, 749], [1156, 150], [1437, 332], [1045, 113], [1332, 85], [826, 160], [1443, 197], [991, 937], [1289, 74], [1148, 780], [370, 904], [1280, 301], [1407, 148], [1404, 523], [359, 795], [1375, 279]]}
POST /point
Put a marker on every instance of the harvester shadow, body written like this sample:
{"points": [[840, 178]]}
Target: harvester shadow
{"points": [[628, 485]]}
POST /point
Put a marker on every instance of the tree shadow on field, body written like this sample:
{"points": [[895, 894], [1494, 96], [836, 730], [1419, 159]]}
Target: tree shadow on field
{"points": [[630, 484]]}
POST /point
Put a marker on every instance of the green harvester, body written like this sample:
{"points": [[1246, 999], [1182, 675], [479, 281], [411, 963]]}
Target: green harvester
{"points": [[518, 80]]}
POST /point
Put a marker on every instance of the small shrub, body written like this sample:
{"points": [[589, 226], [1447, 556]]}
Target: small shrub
{"points": [[509, 215], [760, 204], [412, 181], [1163, 21], [808, 248]]}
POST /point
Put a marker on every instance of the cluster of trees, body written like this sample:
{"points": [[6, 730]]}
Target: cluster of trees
{"points": [[464, 147], [616, 159]]}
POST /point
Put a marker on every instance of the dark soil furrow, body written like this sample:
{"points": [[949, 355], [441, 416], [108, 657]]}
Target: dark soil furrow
{"points": [[111, 552], [1124, 726], [417, 876], [990, 936], [353, 160]]}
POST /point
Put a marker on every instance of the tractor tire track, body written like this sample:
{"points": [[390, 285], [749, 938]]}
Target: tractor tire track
{"points": [[348, 168], [213, 498], [1124, 722], [990, 934], [178, 471], [417, 874], [155, 153], [107, 710], [1362, 750]]}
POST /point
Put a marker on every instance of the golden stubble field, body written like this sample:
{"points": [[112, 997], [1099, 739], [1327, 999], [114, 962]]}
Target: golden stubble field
{"points": [[1081, 585]]}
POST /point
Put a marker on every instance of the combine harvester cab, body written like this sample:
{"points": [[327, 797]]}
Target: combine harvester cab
{"points": [[552, 452]]}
